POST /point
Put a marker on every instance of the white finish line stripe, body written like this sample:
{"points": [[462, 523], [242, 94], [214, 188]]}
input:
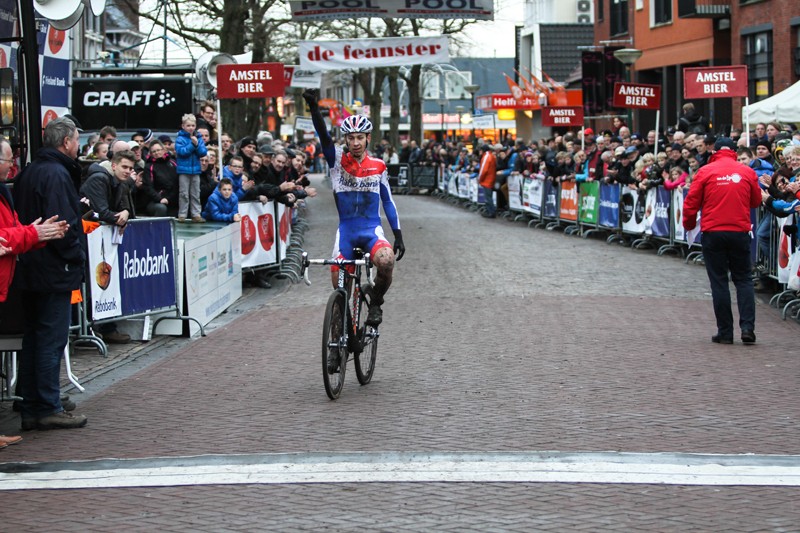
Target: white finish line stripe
{"points": [[555, 467]]}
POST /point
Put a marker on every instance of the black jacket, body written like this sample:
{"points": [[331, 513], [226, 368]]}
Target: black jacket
{"points": [[107, 195], [160, 180], [46, 188]]}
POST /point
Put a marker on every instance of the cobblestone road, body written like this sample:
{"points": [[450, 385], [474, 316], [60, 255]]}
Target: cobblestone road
{"points": [[497, 338]]}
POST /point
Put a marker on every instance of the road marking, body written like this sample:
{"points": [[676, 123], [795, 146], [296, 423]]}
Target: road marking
{"points": [[386, 467]]}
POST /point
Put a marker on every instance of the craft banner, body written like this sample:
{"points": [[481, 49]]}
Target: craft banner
{"points": [[589, 192], [258, 234], [515, 191], [370, 53], [659, 226], [569, 201], [307, 10], [550, 200], [608, 215]]}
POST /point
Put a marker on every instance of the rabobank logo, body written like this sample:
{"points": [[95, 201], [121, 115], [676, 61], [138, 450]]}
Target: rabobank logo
{"points": [[148, 265], [104, 306]]}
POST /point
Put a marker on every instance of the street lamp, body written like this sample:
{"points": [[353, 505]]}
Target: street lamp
{"points": [[442, 102], [459, 109], [628, 56]]}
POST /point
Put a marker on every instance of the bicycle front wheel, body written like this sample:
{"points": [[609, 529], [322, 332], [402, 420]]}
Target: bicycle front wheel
{"points": [[334, 345], [368, 345]]}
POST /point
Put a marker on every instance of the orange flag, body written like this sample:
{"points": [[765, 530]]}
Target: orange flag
{"points": [[559, 97], [530, 90], [539, 85], [516, 90]]}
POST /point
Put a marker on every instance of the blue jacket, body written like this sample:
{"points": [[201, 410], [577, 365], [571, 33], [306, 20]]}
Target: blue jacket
{"points": [[188, 155], [45, 188], [235, 180], [219, 209]]}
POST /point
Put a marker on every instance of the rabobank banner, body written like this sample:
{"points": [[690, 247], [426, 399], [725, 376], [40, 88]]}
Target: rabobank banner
{"points": [[608, 215], [660, 220], [132, 272], [146, 261]]}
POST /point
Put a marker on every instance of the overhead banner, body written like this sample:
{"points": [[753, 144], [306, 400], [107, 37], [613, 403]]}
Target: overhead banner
{"points": [[306, 10], [714, 82], [562, 116], [369, 53], [637, 95], [255, 80]]}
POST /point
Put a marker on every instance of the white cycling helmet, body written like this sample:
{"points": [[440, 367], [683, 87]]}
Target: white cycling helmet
{"points": [[356, 124]]}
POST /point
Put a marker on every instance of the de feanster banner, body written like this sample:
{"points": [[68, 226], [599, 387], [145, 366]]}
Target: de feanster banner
{"points": [[714, 82], [368, 53], [409, 9]]}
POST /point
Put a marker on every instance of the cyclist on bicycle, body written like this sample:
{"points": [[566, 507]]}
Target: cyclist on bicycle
{"points": [[360, 185]]}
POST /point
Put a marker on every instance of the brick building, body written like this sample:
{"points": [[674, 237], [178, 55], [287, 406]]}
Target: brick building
{"points": [[673, 34]]}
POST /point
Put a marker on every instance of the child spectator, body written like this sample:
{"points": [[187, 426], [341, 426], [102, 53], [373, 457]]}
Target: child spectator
{"points": [[223, 205], [234, 172], [189, 148]]}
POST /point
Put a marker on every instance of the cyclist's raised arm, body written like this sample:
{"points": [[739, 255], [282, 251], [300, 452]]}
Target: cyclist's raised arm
{"points": [[311, 97]]}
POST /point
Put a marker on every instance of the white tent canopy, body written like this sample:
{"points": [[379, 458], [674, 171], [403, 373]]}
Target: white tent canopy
{"points": [[782, 107]]}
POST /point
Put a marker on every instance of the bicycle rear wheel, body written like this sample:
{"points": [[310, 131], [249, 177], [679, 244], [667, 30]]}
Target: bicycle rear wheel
{"points": [[334, 346], [368, 345]]}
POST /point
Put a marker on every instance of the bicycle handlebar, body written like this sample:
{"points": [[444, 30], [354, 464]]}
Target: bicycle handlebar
{"points": [[337, 262]]}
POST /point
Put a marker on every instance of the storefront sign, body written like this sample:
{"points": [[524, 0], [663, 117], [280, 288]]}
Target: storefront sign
{"points": [[637, 95], [562, 116], [294, 76], [409, 9], [368, 53], [256, 80], [714, 82]]}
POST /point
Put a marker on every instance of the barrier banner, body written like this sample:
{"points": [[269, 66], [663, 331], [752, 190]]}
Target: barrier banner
{"points": [[515, 191], [631, 211], [463, 187], [659, 225], [532, 190], [453, 184], [608, 213], [147, 266], [475, 190], [590, 202], [649, 199], [369, 53], [784, 250], [284, 219], [104, 282], [569, 201], [305, 10], [258, 234], [550, 200]]}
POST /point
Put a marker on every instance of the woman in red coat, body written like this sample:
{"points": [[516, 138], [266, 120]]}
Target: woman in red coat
{"points": [[17, 239]]}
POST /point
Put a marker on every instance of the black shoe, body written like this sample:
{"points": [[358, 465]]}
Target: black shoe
{"points": [[28, 424], [374, 316], [487, 215], [748, 337], [719, 339], [62, 420], [66, 404]]}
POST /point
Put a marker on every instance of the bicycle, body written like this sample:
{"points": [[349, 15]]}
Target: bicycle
{"points": [[344, 330]]}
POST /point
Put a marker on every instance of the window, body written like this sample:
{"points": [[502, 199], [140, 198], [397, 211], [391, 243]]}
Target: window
{"points": [[619, 17], [758, 58], [660, 12], [601, 10], [686, 8]]}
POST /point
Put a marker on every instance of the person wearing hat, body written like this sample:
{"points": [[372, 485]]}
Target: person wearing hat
{"points": [[168, 144], [725, 191], [247, 147]]}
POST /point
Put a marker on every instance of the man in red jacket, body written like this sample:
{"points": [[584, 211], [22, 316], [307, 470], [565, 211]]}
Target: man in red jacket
{"points": [[486, 178], [725, 191]]}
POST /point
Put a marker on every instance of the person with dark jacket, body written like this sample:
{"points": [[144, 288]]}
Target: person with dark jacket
{"points": [[691, 121], [109, 192], [725, 191], [48, 275], [159, 183]]}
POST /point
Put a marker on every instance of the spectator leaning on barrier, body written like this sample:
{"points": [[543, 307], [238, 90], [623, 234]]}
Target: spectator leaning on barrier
{"points": [[109, 192], [222, 205], [725, 191], [159, 183], [48, 276]]}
